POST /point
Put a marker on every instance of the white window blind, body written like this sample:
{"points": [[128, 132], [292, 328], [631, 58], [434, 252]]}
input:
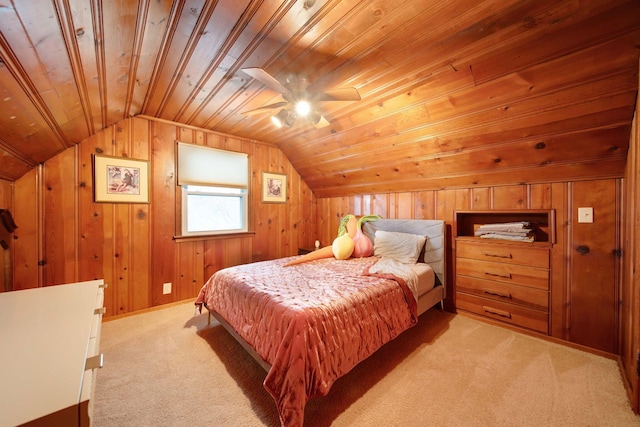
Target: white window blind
{"points": [[198, 165], [215, 188]]}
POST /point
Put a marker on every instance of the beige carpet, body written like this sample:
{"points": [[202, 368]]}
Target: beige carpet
{"points": [[168, 368]]}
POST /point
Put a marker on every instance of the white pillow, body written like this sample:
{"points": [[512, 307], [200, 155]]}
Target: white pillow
{"points": [[403, 247]]}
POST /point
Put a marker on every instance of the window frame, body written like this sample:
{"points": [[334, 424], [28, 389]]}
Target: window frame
{"points": [[243, 195]]}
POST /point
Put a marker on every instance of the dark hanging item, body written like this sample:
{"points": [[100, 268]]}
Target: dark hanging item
{"points": [[7, 220]]}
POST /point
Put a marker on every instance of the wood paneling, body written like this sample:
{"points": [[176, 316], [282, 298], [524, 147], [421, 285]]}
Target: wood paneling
{"points": [[28, 237], [6, 194], [163, 210], [593, 280], [559, 294], [132, 246], [60, 239], [6, 238], [629, 289]]}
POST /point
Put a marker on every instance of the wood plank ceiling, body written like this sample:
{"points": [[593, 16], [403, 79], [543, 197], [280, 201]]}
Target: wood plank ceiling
{"points": [[454, 92]]}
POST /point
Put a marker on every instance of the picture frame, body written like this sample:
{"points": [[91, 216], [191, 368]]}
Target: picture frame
{"points": [[274, 187], [120, 180]]}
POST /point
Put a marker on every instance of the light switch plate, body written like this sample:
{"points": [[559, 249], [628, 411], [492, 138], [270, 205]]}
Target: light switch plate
{"points": [[585, 214]]}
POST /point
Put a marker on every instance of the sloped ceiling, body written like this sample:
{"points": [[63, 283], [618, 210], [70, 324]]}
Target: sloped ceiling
{"points": [[454, 93]]}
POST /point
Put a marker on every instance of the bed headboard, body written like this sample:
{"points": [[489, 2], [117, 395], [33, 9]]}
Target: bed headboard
{"points": [[432, 229]]}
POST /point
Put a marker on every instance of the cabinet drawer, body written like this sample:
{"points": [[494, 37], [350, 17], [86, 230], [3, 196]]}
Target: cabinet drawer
{"points": [[93, 350], [514, 294], [505, 253], [508, 313], [506, 273]]}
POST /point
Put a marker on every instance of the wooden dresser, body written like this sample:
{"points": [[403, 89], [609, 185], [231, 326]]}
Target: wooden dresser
{"points": [[50, 338], [504, 281], [507, 281]]}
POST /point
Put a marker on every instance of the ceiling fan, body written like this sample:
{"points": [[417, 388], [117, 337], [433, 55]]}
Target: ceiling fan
{"points": [[298, 102]]}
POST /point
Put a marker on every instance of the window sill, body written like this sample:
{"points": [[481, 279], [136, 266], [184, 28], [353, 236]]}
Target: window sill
{"points": [[179, 239]]}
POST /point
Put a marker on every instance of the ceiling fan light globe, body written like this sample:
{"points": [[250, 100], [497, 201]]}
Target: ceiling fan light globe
{"points": [[276, 121], [303, 108], [290, 119], [314, 117], [280, 118]]}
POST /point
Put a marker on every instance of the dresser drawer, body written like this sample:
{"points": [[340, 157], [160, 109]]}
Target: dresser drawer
{"points": [[501, 272], [504, 253], [93, 356], [509, 313], [513, 294]]}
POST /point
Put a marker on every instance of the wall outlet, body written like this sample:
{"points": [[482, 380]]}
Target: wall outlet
{"points": [[166, 288]]}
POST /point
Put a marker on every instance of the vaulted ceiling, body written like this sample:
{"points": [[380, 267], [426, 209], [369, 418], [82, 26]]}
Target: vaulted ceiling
{"points": [[454, 92]]}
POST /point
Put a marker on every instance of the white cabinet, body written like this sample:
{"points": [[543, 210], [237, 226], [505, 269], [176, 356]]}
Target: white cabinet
{"points": [[50, 348]]}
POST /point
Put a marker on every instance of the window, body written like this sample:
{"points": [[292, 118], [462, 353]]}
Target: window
{"points": [[214, 190], [208, 210]]}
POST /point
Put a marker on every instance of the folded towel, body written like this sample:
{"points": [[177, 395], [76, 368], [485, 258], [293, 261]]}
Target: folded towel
{"points": [[520, 230], [507, 226], [529, 238]]}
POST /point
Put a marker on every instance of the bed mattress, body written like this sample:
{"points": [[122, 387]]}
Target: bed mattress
{"points": [[426, 277]]}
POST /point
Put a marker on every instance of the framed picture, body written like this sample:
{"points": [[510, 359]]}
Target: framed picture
{"points": [[274, 188], [120, 180]]}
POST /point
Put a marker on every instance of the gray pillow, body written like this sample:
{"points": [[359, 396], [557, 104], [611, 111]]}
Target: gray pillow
{"points": [[433, 230]]}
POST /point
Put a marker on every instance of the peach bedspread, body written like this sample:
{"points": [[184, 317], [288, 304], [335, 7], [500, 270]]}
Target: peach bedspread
{"points": [[311, 322]]}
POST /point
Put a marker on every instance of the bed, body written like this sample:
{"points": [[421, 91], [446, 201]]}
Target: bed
{"points": [[309, 324]]}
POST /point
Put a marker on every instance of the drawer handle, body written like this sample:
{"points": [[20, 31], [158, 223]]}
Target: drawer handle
{"points": [[497, 312], [497, 255], [582, 250], [498, 275], [94, 362], [498, 294]]}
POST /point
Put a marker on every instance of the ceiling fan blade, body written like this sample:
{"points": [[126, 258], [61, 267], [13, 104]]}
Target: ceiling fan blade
{"points": [[265, 108], [341, 94], [266, 79]]}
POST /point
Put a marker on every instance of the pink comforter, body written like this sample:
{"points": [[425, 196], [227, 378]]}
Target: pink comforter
{"points": [[311, 322]]}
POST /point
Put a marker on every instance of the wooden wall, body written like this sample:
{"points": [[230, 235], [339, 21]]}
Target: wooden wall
{"points": [[584, 298], [6, 254], [6, 194], [65, 237], [630, 289]]}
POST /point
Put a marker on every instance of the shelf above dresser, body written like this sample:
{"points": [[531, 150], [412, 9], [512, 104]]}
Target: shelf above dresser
{"points": [[542, 220]]}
